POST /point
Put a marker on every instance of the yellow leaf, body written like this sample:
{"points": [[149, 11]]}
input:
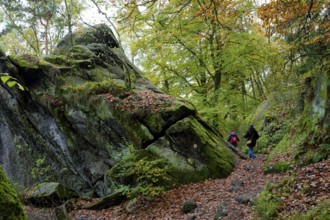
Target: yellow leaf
{"points": [[5, 78]]}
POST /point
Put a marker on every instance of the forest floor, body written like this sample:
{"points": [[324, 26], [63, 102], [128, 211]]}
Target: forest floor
{"points": [[229, 198], [211, 196]]}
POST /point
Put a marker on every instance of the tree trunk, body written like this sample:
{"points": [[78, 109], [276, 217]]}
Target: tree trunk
{"points": [[69, 19]]}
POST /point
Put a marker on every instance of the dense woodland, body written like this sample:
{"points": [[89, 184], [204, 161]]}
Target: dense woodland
{"points": [[231, 59]]}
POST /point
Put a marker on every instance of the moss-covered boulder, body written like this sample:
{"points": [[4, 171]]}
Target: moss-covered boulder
{"points": [[10, 205], [86, 107], [201, 158], [49, 194]]}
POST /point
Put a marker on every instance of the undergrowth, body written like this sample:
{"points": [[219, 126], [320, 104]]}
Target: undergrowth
{"points": [[269, 202], [140, 176]]}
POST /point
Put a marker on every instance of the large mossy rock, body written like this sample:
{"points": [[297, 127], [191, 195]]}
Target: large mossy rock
{"points": [[85, 107], [49, 194], [10, 206]]}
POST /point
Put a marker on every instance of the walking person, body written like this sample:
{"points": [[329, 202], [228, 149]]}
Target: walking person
{"points": [[252, 137], [233, 138]]}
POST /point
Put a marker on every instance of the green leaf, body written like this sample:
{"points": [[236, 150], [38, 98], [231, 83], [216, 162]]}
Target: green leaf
{"points": [[11, 83], [5, 78]]}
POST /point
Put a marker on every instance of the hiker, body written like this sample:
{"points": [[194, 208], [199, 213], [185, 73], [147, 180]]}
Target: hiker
{"points": [[233, 138], [251, 136]]}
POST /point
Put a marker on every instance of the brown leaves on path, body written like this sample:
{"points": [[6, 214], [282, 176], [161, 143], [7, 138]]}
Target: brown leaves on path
{"points": [[211, 196], [311, 187], [230, 197]]}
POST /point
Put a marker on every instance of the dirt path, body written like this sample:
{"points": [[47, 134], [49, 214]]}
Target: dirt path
{"points": [[229, 198]]}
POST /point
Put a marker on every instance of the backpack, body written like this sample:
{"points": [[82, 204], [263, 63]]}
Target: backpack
{"points": [[256, 135], [233, 139]]}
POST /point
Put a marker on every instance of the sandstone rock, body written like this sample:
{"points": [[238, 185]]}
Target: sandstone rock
{"points": [[49, 194], [86, 107]]}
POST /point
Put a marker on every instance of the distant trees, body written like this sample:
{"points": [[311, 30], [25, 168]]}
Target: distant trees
{"points": [[304, 25], [35, 26]]}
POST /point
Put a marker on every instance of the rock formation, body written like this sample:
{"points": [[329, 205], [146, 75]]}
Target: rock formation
{"points": [[85, 107]]}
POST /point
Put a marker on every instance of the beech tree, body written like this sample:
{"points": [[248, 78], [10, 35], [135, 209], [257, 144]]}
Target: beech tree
{"points": [[210, 52], [304, 25]]}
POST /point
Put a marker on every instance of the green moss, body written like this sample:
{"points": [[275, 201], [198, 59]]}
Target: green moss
{"points": [[220, 160], [86, 37], [94, 88], [80, 52], [139, 133], [140, 173], [101, 107], [309, 141], [280, 167], [314, 155], [282, 147], [190, 176], [57, 60], [46, 66], [213, 160], [87, 64], [26, 61], [10, 206], [268, 204], [47, 189], [99, 75], [41, 169], [154, 122]]}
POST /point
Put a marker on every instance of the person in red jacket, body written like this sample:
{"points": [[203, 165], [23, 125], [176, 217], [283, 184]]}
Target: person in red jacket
{"points": [[233, 138]]}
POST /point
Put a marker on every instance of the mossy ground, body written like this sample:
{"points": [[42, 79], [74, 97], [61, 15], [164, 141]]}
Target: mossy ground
{"points": [[10, 206]]}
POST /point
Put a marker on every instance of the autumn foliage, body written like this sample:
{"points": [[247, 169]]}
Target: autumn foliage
{"points": [[309, 20]]}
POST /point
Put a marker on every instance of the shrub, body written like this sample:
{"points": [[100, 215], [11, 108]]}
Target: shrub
{"points": [[267, 204], [280, 167], [142, 175]]}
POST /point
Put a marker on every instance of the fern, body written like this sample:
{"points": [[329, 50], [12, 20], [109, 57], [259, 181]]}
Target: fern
{"points": [[148, 177]]}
